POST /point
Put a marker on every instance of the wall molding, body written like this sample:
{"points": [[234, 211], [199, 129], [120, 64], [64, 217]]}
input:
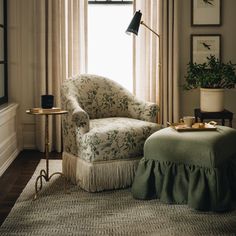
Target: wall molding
{"points": [[234, 123], [12, 148], [29, 135], [9, 143], [7, 112], [9, 161]]}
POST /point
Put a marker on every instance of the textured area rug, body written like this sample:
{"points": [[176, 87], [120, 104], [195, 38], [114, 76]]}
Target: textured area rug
{"points": [[105, 213]]}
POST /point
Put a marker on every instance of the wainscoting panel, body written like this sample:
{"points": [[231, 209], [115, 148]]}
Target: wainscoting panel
{"points": [[9, 145], [29, 135], [234, 122]]}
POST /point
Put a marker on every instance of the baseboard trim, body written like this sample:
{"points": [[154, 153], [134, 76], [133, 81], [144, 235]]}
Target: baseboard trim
{"points": [[8, 162]]}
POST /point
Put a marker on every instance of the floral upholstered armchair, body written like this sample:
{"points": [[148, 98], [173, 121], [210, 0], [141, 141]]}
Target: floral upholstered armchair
{"points": [[104, 132]]}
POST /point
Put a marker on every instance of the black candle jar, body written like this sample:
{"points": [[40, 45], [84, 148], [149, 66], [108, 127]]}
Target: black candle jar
{"points": [[47, 101]]}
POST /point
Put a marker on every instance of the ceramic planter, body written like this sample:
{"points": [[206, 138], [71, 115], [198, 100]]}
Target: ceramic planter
{"points": [[211, 100]]}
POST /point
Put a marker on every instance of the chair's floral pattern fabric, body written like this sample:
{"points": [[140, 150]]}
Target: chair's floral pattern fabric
{"points": [[88, 98], [115, 138]]}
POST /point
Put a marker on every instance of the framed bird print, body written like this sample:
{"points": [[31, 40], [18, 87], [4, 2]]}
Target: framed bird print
{"points": [[204, 45], [206, 12]]}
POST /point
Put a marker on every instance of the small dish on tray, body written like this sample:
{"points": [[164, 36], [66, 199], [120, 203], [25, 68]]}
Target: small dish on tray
{"points": [[181, 127]]}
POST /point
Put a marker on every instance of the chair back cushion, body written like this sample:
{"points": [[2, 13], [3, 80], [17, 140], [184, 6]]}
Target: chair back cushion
{"points": [[98, 96]]}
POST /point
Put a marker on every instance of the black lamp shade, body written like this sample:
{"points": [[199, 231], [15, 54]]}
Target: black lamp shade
{"points": [[135, 23]]}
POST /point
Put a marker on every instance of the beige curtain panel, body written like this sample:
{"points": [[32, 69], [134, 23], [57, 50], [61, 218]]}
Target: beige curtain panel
{"points": [[156, 70], [169, 80], [65, 30]]}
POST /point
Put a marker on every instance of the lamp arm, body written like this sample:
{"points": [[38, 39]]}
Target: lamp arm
{"points": [[150, 29], [159, 64]]}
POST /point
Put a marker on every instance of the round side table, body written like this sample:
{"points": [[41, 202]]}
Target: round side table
{"points": [[44, 173]]}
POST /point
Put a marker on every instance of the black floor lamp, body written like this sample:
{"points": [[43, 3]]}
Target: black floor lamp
{"points": [[134, 27], [135, 23]]}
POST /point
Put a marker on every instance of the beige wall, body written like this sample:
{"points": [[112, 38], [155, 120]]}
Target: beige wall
{"points": [[20, 66], [190, 99]]}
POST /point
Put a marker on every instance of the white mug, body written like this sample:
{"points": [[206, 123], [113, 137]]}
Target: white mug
{"points": [[188, 121]]}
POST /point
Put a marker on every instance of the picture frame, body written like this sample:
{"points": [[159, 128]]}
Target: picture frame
{"points": [[204, 45], [206, 12]]}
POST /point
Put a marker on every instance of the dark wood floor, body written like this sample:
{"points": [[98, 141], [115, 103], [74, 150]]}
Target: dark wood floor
{"points": [[15, 178]]}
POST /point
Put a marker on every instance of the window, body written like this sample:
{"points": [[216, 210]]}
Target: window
{"points": [[109, 48], [3, 52]]}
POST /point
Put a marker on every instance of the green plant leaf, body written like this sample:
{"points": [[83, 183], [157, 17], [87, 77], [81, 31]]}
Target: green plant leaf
{"points": [[212, 74]]}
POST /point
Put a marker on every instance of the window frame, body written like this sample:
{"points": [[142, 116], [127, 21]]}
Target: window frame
{"points": [[4, 99], [110, 2]]}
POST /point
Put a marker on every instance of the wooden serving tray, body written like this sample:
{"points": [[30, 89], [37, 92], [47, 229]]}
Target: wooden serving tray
{"points": [[181, 127]]}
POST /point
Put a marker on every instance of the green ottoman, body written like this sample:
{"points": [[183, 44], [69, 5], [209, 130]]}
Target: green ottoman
{"points": [[194, 168]]}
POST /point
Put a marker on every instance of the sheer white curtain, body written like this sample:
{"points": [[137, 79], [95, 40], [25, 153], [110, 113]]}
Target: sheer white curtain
{"points": [[146, 52], [156, 70], [65, 54]]}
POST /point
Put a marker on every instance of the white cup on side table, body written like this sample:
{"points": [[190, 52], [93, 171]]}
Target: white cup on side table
{"points": [[189, 121]]}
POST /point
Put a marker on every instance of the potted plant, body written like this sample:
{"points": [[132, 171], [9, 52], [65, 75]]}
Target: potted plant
{"points": [[212, 77]]}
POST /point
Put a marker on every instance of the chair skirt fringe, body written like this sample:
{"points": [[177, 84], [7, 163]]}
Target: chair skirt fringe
{"points": [[99, 176]]}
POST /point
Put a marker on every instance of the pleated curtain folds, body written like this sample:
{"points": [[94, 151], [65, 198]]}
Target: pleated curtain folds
{"points": [[146, 61], [155, 59], [169, 80], [63, 45]]}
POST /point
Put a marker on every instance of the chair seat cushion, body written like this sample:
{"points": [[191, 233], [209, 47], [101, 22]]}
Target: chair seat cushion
{"points": [[115, 138]]}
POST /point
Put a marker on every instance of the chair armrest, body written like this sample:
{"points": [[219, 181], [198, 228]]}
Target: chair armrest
{"points": [[146, 111], [74, 125], [150, 112], [77, 115], [81, 119]]}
